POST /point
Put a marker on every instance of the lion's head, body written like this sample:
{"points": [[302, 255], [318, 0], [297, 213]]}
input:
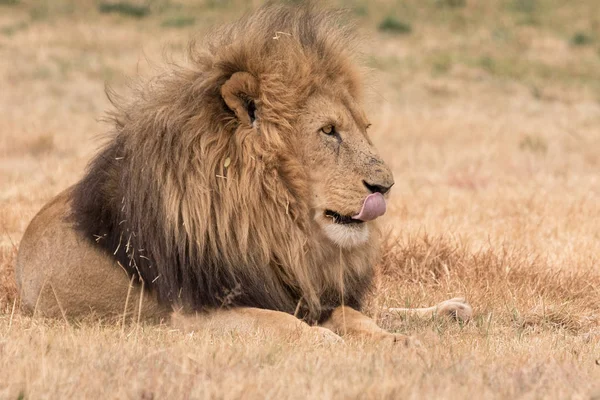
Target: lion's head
{"points": [[328, 127], [246, 177], [347, 180]]}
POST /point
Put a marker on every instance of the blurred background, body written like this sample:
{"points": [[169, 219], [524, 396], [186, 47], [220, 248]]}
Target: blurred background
{"points": [[488, 111]]}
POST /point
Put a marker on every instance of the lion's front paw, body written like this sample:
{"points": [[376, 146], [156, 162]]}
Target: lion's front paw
{"points": [[456, 308]]}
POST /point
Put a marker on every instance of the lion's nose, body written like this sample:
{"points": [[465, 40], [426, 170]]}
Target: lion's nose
{"points": [[378, 188]]}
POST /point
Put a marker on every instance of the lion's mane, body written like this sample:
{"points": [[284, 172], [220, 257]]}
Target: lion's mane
{"points": [[207, 213]]}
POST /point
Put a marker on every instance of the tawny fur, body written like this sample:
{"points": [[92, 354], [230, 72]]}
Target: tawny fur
{"points": [[209, 211]]}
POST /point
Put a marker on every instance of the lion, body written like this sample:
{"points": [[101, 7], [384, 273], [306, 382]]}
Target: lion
{"points": [[239, 190]]}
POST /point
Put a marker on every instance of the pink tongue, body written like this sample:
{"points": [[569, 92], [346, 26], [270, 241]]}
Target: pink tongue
{"points": [[373, 207]]}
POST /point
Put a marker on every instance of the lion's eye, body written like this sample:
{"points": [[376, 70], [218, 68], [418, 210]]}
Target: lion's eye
{"points": [[328, 130]]}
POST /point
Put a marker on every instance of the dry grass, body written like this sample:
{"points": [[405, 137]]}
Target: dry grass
{"points": [[8, 288], [490, 118], [507, 284]]}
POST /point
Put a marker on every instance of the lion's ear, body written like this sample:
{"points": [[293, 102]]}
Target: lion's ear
{"points": [[239, 93]]}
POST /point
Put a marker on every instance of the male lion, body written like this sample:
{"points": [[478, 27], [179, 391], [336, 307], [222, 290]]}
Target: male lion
{"points": [[241, 190]]}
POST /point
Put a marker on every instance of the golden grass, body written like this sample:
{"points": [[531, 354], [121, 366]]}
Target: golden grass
{"points": [[490, 119], [8, 288], [505, 284]]}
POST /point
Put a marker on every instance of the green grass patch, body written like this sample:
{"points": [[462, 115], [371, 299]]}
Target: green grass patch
{"points": [[451, 3], [581, 39], [441, 64], [125, 8], [218, 4], [12, 29], [393, 25], [525, 6], [528, 11], [39, 12], [488, 63], [9, 2], [361, 11], [178, 22]]}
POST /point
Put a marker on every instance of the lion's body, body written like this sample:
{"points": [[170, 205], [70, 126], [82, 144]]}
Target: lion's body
{"points": [[61, 272], [220, 188]]}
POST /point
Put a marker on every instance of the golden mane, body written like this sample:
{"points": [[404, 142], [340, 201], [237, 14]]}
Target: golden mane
{"points": [[208, 213]]}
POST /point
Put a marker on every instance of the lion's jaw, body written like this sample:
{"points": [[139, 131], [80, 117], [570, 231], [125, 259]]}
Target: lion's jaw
{"points": [[343, 235]]}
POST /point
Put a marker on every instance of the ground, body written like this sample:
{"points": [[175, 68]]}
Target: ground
{"points": [[488, 113]]}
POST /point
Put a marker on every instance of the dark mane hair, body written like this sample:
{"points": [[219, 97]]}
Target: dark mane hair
{"points": [[207, 213]]}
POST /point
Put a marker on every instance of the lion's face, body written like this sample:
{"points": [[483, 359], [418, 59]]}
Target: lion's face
{"points": [[349, 181]]}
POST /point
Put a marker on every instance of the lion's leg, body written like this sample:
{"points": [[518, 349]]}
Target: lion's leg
{"points": [[456, 308], [346, 321], [247, 321]]}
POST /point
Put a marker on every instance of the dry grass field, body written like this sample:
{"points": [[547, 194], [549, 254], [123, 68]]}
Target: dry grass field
{"points": [[487, 111]]}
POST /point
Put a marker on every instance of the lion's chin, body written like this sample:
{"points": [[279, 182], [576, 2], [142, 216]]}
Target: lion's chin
{"points": [[347, 236]]}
